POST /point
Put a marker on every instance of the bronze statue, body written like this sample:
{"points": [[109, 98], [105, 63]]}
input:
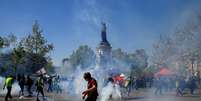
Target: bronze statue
{"points": [[103, 33]]}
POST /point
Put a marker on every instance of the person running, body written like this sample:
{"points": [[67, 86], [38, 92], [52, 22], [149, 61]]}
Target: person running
{"points": [[158, 86], [29, 84], [49, 84], [178, 87], [21, 82], [92, 86], [192, 85], [40, 84], [8, 84]]}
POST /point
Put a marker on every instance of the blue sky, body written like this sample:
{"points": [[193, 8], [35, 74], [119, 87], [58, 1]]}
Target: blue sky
{"points": [[131, 24]]}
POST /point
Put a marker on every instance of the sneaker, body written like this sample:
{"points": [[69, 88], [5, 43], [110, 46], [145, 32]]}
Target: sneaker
{"points": [[21, 97], [44, 98]]}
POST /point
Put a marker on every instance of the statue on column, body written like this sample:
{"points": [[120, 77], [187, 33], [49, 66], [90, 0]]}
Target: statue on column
{"points": [[103, 33], [103, 56]]}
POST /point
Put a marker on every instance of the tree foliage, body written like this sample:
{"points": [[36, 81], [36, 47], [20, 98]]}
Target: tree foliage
{"points": [[139, 58], [26, 55], [182, 48], [83, 57], [35, 42], [136, 62]]}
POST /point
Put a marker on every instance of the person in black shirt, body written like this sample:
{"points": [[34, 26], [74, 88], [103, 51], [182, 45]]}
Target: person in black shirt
{"points": [[21, 82], [29, 84]]}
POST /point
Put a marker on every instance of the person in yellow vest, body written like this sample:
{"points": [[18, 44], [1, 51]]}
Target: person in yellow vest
{"points": [[8, 84], [40, 85]]}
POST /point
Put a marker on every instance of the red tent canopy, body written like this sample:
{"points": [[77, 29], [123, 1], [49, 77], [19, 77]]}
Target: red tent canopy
{"points": [[164, 72], [118, 78]]}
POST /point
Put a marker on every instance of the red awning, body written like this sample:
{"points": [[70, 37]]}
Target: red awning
{"points": [[164, 72]]}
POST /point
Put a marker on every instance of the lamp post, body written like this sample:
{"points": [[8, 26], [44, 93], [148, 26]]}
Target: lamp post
{"points": [[192, 65]]}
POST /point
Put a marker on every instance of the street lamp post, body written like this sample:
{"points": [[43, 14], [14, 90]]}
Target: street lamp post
{"points": [[192, 65]]}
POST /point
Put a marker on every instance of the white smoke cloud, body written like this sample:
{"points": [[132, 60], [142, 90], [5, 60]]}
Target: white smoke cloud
{"points": [[77, 84], [90, 12], [110, 91]]}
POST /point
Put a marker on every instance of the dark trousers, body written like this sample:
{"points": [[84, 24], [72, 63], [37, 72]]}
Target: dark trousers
{"points": [[91, 98], [179, 91], [192, 91], [158, 89], [29, 90], [49, 88], [22, 90], [8, 95], [40, 90]]}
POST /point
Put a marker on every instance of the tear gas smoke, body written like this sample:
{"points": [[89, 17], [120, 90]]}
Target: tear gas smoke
{"points": [[111, 91], [76, 85]]}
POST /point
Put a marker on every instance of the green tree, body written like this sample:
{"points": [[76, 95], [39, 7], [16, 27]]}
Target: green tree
{"points": [[141, 58], [6, 58], [83, 57], [27, 55], [36, 43], [138, 61], [119, 54], [1, 42], [37, 48], [182, 47], [17, 57], [7, 41]]}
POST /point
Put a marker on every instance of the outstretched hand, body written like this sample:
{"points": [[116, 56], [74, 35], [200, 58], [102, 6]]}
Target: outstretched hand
{"points": [[84, 93]]}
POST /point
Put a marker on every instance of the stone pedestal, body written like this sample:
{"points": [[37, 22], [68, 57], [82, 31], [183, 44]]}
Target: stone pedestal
{"points": [[103, 51], [103, 55]]}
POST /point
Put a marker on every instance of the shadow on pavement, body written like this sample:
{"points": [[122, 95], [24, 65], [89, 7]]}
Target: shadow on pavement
{"points": [[134, 98]]}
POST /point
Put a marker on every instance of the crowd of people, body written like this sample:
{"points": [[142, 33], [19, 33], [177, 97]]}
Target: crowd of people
{"points": [[161, 84], [34, 85], [181, 85], [178, 84]]}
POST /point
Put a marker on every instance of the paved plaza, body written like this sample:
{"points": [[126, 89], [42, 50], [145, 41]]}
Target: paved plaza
{"points": [[140, 95]]}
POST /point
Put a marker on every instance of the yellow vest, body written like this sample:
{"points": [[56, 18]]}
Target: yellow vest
{"points": [[9, 82], [39, 83]]}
